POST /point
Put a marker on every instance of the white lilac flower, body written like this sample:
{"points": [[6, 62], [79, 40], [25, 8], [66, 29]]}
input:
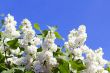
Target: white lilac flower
{"points": [[76, 38], [82, 29], [48, 57], [53, 48], [67, 45], [94, 61], [9, 19], [20, 61], [84, 48], [26, 25], [77, 54], [16, 60], [48, 54], [36, 41], [28, 33], [37, 67], [10, 29], [52, 61], [101, 70], [49, 42], [31, 49]]}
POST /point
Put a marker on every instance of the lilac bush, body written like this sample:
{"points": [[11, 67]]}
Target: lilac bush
{"points": [[24, 51]]}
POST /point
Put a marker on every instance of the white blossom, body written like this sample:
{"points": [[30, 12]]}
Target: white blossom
{"points": [[49, 42], [31, 49], [37, 67], [10, 29], [52, 62], [76, 38]]}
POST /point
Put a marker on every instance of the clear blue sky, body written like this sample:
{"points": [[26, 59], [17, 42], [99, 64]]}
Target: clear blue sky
{"points": [[66, 14]]}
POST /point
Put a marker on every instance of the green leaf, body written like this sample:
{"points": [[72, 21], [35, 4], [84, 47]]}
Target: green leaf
{"points": [[20, 27], [44, 33], [58, 35], [2, 67], [36, 26], [108, 69], [63, 66], [2, 58], [58, 53], [39, 49], [19, 70], [21, 48], [55, 70], [15, 70], [77, 65], [8, 71], [13, 44]]}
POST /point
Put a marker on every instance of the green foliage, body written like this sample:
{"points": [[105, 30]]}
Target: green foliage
{"points": [[13, 43], [8, 71], [44, 33], [108, 69], [63, 66], [2, 67], [58, 53], [53, 29], [39, 49], [36, 26], [2, 58], [55, 70], [77, 65], [15, 70], [21, 48], [19, 70], [20, 27], [58, 35], [2, 62]]}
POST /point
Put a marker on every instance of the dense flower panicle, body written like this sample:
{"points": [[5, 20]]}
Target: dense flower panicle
{"points": [[78, 54], [10, 29], [48, 43], [27, 32], [31, 49], [26, 25], [76, 38], [37, 67], [94, 61], [24, 48]]}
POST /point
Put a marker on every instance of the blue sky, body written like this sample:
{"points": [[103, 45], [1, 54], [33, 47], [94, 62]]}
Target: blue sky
{"points": [[66, 14]]}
